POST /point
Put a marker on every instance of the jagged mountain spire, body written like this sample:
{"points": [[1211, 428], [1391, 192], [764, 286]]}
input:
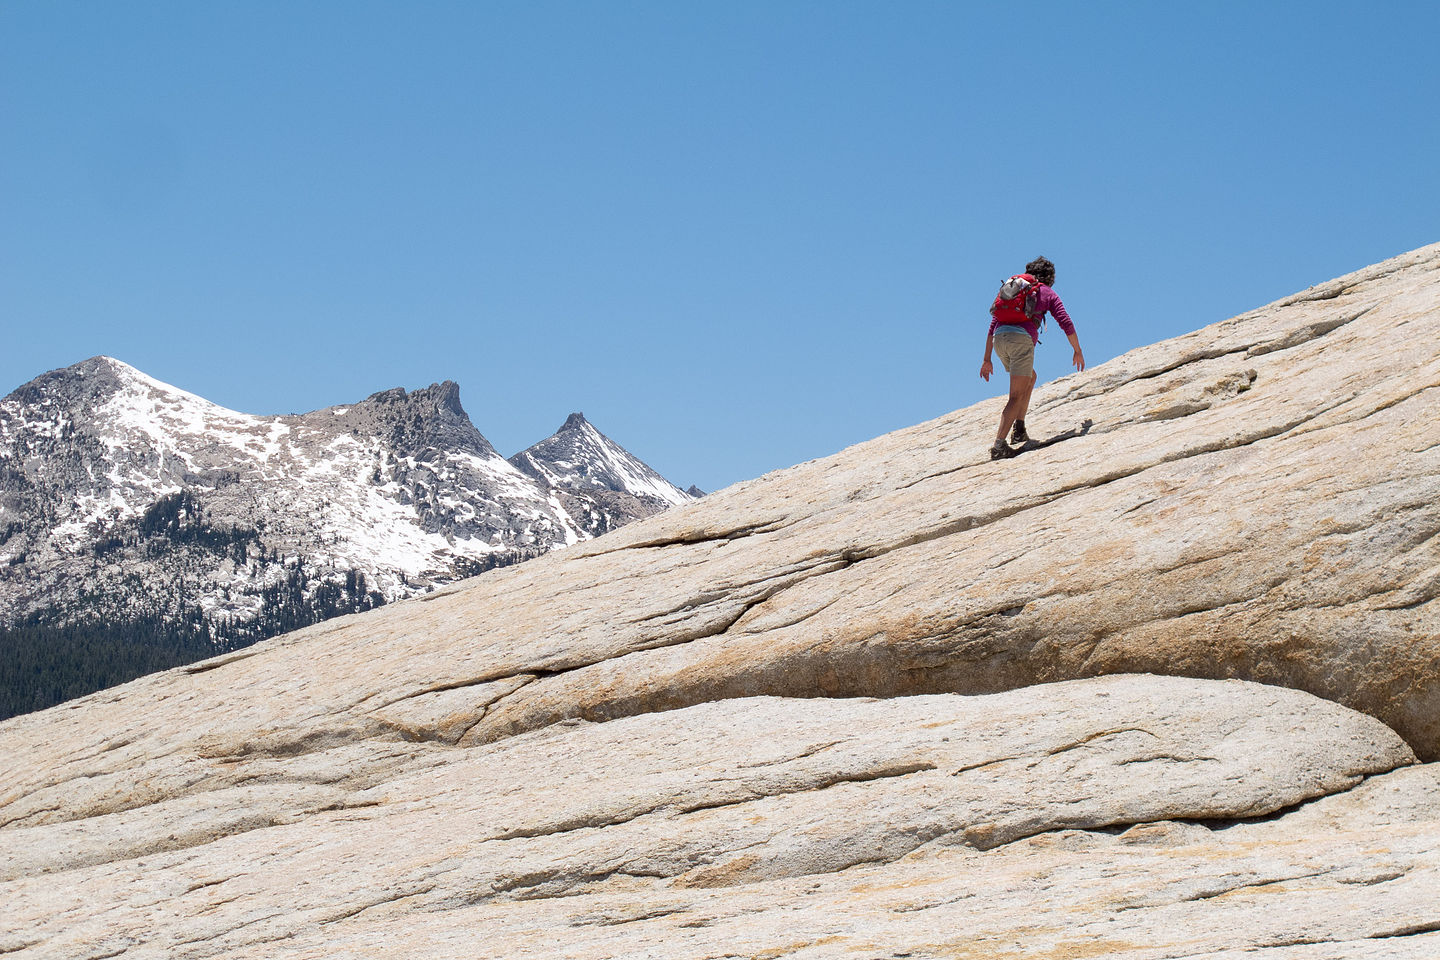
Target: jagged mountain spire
{"points": [[579, 457]]}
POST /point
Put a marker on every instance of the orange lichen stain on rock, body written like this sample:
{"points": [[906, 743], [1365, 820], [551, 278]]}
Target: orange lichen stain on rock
{"points": [[981, 835], [1015, 949], [1102, 554], [729, 874], [774, 952]]}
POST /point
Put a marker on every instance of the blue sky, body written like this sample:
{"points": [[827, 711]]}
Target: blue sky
{"points": [[736, 235]]}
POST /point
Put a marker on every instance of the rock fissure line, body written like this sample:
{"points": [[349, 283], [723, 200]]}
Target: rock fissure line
{"points": [[241, 926], [1306, 334], [697, 537], [705, 632], [990, 763], [1375, 881], [1351, 421], [485, 712], [639, 918], [1052, 751], [224, 660], [1220, 891], [1353, 780], [1179, 614], [346, 915], [1171, 757], [283, 746], [108, 956], [1323, 292], [1410, 930], [438, 688], [1422, 266], [252, 941], [1362, 602], [208, 883], [1213, 824], [573, 883], [285, 818], [108, 746], [208, 784], [20, 821], [810, 752], [1085, 391], [674, 808], [1291, 340], [809, 614], [1099, 735], [1426, 598], [1426, 449], [787, 577]]}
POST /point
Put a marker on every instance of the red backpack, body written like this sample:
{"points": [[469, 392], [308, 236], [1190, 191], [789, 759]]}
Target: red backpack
{"points": [[1018, 300]]}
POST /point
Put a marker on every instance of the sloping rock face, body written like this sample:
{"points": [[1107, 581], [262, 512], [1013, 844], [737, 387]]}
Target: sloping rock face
{"points": [[902, 701], [1101, 815]]}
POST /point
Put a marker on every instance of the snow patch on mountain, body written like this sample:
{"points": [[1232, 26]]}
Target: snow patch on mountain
{"points": [[579, 457], [121, 494]]}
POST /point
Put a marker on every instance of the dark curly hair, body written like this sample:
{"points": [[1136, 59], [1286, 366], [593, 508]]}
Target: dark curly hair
{"points": [[1042, 270]]}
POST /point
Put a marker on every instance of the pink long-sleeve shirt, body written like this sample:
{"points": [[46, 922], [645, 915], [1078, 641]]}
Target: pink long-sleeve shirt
{"points": [[1046, 300]]}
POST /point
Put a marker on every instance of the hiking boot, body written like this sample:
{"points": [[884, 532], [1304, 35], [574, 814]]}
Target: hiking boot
{"points": [[1002, 451], [1018, 436]]}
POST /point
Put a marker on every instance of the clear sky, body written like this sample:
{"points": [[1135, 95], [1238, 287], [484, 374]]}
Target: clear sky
{"points": [[737, 235]]}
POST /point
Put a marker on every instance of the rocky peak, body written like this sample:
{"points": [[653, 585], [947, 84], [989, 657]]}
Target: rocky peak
{"points": [[79, 386], [386, 397], [414, 422], [578, 457], [443, 397], [596, 479]]}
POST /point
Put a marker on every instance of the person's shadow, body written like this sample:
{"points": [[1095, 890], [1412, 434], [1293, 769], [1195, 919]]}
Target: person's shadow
{"points": [[1070, 434]]}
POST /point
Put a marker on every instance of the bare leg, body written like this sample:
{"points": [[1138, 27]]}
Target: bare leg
{"points": [[1020, 388], [1025, 403]]}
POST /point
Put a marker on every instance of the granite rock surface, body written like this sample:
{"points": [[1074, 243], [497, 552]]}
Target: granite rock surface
{"points": [[810, 826], [1155, 688]]}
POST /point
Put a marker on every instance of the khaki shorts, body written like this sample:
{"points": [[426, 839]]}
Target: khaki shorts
{"points": [[1016, 350]]}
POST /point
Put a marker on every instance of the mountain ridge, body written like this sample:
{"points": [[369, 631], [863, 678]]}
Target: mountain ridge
{"points": [[126, 500]]}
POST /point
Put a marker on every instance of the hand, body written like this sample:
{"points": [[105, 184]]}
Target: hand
{"points": [[1079, 359], [986, 369]]}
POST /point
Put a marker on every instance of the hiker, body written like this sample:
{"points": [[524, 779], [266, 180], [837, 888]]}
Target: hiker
{"points": [[1016, 318]]}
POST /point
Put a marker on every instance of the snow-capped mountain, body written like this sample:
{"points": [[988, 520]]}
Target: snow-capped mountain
{"points": [[122, 497], [596, 480]]}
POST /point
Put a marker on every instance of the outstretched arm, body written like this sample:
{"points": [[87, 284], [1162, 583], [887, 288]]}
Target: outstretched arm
{"points": [[1062, 317], [987, 367]]}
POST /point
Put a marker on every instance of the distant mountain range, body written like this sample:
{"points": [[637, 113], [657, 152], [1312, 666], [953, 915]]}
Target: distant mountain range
{"points": [[131, 510]]}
